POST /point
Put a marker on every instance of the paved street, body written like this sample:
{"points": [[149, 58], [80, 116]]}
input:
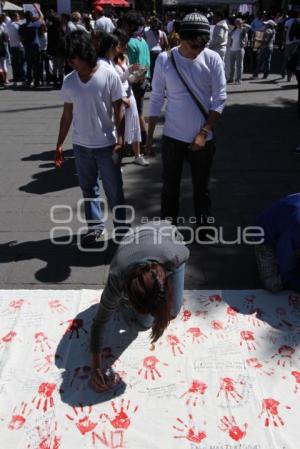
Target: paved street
{"points": [[254, 165]]}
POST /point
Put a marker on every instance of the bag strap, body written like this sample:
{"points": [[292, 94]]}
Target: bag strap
{"points": [[196, 100]]}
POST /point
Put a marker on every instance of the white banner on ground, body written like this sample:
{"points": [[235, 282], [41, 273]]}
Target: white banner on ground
{"points": [[225, 374], [64, 6]]}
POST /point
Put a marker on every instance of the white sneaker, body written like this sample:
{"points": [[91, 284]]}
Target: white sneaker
{"points": [[140, 160]]}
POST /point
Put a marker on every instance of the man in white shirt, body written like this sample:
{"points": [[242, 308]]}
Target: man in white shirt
{"points": [[92, 96], [30, 39], [16, 49], [102, 22], [219, 37], [188, 127]]}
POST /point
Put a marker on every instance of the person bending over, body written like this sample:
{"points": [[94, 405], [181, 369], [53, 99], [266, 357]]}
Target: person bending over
{"points": [[146, 279]]}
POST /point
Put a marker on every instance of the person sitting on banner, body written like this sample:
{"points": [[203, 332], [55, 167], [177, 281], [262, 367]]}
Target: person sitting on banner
{"points": [[278, 257], [146, 281]]}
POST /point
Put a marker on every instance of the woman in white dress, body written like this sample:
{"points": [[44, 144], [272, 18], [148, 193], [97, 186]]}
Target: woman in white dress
{"points": [[110, 49]]}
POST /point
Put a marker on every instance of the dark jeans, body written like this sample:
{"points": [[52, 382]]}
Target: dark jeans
{"points": [[298, 81], [17, 63], [264, 62], [174, 153], [153, 58], [33, 56], [45, 67]]}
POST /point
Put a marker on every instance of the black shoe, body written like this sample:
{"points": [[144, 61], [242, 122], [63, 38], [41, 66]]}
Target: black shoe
{"points": [[90, 238]]}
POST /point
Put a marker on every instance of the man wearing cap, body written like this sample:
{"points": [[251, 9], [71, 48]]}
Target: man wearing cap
{"points": [[266, 52], [102, 22], [188, 72]]}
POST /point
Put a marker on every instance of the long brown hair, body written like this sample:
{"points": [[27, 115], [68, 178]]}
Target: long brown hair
{"points": [[149, 292]]}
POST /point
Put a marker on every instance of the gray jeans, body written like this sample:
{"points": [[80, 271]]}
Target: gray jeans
{"points": [[268, 268], [236, 64]]}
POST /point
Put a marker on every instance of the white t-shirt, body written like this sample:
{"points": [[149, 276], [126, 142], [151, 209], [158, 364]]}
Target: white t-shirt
{"points": [[105, 24], [236, 40], [14, 36], [93, 125], [153, 40], [205, 76]]}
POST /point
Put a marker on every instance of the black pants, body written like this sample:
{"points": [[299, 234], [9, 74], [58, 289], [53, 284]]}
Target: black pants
{"points": [[33, 58], [298, 81], [174, 153]]}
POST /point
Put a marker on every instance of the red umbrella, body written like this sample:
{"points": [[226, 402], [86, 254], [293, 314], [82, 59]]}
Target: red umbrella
{"points": [[114, 3]]}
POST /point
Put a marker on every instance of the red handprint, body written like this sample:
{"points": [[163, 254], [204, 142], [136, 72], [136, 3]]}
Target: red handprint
{"points": [[7, 339], [201, 313], [41, 341], [121, 419], [45, 393], [190, 432], [270, 410], [48, 439], [16, 304], [249, 302], [75, 326], [255, 363], [285, 355], [230, 425], [212, 299], [227, 385], [56, 306], [249, 338], [19, 419], [196, 390], [149, 368], [83, 420], [296, 375], [218, 326], [80, 377], [253, 319], [294, 302], [197, 335], [175, 344], [232, 313], [186, 315], [44, 364]]}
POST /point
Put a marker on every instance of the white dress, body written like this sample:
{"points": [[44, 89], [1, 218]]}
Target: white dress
{"points": [[132, 122]]}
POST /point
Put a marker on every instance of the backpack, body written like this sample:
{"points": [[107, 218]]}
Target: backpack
{"points": [[27, 34], [294, 33]]}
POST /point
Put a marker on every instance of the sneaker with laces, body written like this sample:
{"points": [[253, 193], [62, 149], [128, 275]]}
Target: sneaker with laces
{"points": [[91, 237], [140, 160]]}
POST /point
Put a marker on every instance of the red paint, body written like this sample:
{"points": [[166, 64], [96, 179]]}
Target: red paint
{"points": [[149, 368], [212, 299], [44, 364], [121, 419], [190, 432], [175, 344], [227, 386], [195, 391], [296, 375], [270, 411], [249, 302], [45, 393], [8, 338], [186, 315], [249, 338], [255, 363], [197, 334], [56, 306], [232, 313], [217, 325], [235, 432], [18, 420], [17, 304], [82, 419], [41, 341], [75, 326], [284, 355], [47, 439]]}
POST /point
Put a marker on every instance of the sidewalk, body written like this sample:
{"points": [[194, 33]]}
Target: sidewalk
{"points": [[254, 165]]}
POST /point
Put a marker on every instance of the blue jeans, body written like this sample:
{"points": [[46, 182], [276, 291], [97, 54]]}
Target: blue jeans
{"points": [[264, 64], [176, 280], [91, 164]]}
